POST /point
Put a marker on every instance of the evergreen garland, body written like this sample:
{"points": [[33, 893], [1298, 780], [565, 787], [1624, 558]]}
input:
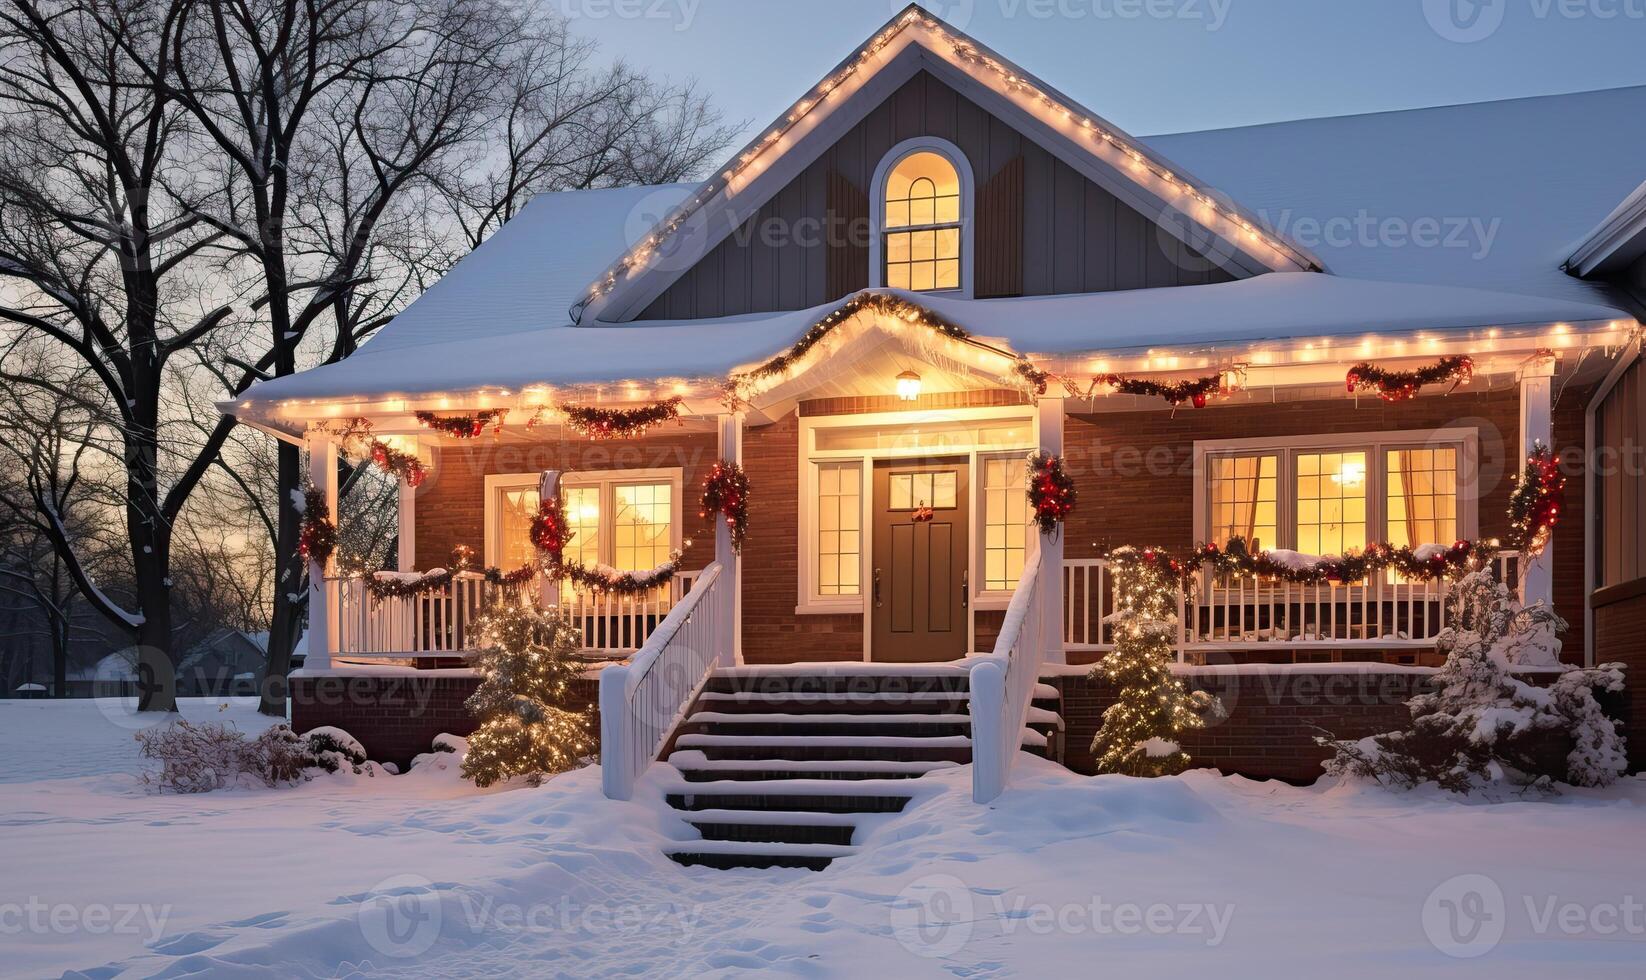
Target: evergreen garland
{"points": [[550, 533], [726, 495], [1051, 492], [1399, 386], [463, 426], [317, 538], [1175, 393], [1535, 506], [620, 423], [527, 665]]}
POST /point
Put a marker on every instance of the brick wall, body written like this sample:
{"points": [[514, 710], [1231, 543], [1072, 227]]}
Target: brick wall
{"points": [[1273, 717], [1620, 637], [396, 717], [1135, 470]]}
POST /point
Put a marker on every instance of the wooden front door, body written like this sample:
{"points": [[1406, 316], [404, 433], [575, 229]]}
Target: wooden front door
{"points": [[919, 580]]}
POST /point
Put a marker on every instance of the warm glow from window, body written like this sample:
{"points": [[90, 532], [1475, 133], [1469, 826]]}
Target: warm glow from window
{"points": [[922, 223], [1005, 522], [839, 536], [1331, 512], [1244, 501]]}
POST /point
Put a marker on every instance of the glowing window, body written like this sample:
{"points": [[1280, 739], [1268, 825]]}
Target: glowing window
{"points": [[1005, 522], [839, 534], [1331, 502], [1244, 500], [922, 223]]}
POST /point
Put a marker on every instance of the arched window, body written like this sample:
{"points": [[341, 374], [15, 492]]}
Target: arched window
{"points": [[923, 203]]}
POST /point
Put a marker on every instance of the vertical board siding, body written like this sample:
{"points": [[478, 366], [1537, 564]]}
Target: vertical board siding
{"points": [[998, 268], [1070, 234], [1620, 492], [846, 224]]}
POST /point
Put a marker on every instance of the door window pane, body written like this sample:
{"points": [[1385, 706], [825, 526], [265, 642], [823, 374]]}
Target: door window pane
{"points": [[1005, 522], [839, 537]]}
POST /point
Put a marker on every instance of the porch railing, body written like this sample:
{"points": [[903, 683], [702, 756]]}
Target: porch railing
{"points": [[1002, 685], [441, 623], [1234, 613], [642, 702]]}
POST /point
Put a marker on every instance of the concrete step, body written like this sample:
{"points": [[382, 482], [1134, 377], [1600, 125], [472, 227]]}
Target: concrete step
{"points": [[744, 854]]}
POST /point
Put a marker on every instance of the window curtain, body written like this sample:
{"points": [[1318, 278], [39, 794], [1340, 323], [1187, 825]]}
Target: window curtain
{"points": [[1418, 488]]}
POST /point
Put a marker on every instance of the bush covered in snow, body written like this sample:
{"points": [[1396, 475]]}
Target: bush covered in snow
{"points": [[198, 758], [1483, 724]]}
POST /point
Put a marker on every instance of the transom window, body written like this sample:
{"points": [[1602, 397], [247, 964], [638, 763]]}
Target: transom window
{"points": [[921, 234], [1326, 499]]}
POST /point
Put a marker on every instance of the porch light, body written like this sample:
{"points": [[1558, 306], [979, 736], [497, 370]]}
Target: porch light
{"points": [[908, 386]]}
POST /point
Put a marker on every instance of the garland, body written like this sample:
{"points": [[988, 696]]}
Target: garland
{"points": [[317, 538], [1051, 492], [389, 585], [464, 426], [1399, 386], [550, 534], [726, 493], [620, 423], [1175, 393], [1426, 564], [356, 440], [1535, 505]]}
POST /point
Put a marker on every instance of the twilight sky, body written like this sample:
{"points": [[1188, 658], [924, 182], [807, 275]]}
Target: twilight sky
{"points": [[1155, 66]]}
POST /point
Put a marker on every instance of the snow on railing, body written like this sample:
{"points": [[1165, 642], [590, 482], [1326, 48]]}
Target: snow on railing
{"points": [[642, 702], [441, 623], [1002, 685], [1229, 613]]}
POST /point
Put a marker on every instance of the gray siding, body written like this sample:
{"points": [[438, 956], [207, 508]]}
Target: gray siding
{"points": [[1077, 237]]}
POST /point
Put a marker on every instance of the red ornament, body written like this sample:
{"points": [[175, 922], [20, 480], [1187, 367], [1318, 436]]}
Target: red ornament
{"points": [[1051, 492], [726, 493]]}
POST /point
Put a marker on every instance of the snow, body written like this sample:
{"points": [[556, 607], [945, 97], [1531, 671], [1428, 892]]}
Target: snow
{"points": [[1512, 215], [424, 876], [93, 736], [1278, 306]]}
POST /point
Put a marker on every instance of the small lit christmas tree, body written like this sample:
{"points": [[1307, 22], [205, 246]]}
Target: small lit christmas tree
{"points": [[1140, 730], [527, 665]]}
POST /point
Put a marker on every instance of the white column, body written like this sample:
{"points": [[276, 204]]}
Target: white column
{"points": [[1050, 425], [731, 572], [548, 487], [406, 557], [1536, 426], [323, 621]]}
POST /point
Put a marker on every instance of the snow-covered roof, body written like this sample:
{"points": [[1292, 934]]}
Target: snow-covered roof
{"points": [[1618, 240], [530, 272], [1517, 184], [1276, 306]]}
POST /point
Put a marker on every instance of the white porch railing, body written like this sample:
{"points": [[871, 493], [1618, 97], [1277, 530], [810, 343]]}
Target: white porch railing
{"points": [[642, 702], [1002, 685], [1232, 613], [441, 623]]}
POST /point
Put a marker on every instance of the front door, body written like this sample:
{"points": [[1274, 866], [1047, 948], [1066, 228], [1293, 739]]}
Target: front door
{"points": [[919, 586]]}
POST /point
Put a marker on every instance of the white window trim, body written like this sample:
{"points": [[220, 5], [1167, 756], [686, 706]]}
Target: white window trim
{"points": [[1374, 444], [807, 601], [968, 205], [496, 483]]}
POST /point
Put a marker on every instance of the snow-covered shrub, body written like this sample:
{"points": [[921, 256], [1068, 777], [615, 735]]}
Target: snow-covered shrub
{"points": [[1139, 736], [1484, 725], [198, 758]]}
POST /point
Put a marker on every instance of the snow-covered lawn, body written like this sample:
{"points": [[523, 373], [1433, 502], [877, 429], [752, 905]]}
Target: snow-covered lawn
{"points": [[1110, 876]]}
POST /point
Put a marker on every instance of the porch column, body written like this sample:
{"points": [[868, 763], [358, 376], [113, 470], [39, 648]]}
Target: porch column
{"points": [[548, 487], [1536, 426], [1050, 424], [323, 621], [731, 572], [406, 535]]}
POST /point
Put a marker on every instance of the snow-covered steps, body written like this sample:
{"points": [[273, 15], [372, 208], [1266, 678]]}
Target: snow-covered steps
{"points": [[779, 767]]}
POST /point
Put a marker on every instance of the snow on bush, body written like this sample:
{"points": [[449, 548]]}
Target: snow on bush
{"points": [[199, 758], [1483, 725], [448, 751]]}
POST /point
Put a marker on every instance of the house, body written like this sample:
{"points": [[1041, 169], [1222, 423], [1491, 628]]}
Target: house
{"points": [[931, 266], [228, 662]]}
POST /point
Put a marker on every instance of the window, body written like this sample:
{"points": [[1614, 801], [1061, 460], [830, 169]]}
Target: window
{"points": [[922, 204], [626, 519], [912, 491], [1005, 521], [1244, 501], [1330, 495], [839, 535]]}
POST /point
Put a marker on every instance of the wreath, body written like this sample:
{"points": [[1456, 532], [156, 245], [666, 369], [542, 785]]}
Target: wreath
{"points": [[726, 493], [550, 534], [1051, 492], [1399, 386], [317, 537], [1535, 505]]}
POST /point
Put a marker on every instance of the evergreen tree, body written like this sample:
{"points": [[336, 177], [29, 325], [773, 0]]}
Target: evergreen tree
{"points": [[1140, 730], [527, 664]]}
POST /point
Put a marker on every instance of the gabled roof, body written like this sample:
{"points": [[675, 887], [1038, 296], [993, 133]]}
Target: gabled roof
{"points": [[910, 42], [1618, 241], [1537, 174]]}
